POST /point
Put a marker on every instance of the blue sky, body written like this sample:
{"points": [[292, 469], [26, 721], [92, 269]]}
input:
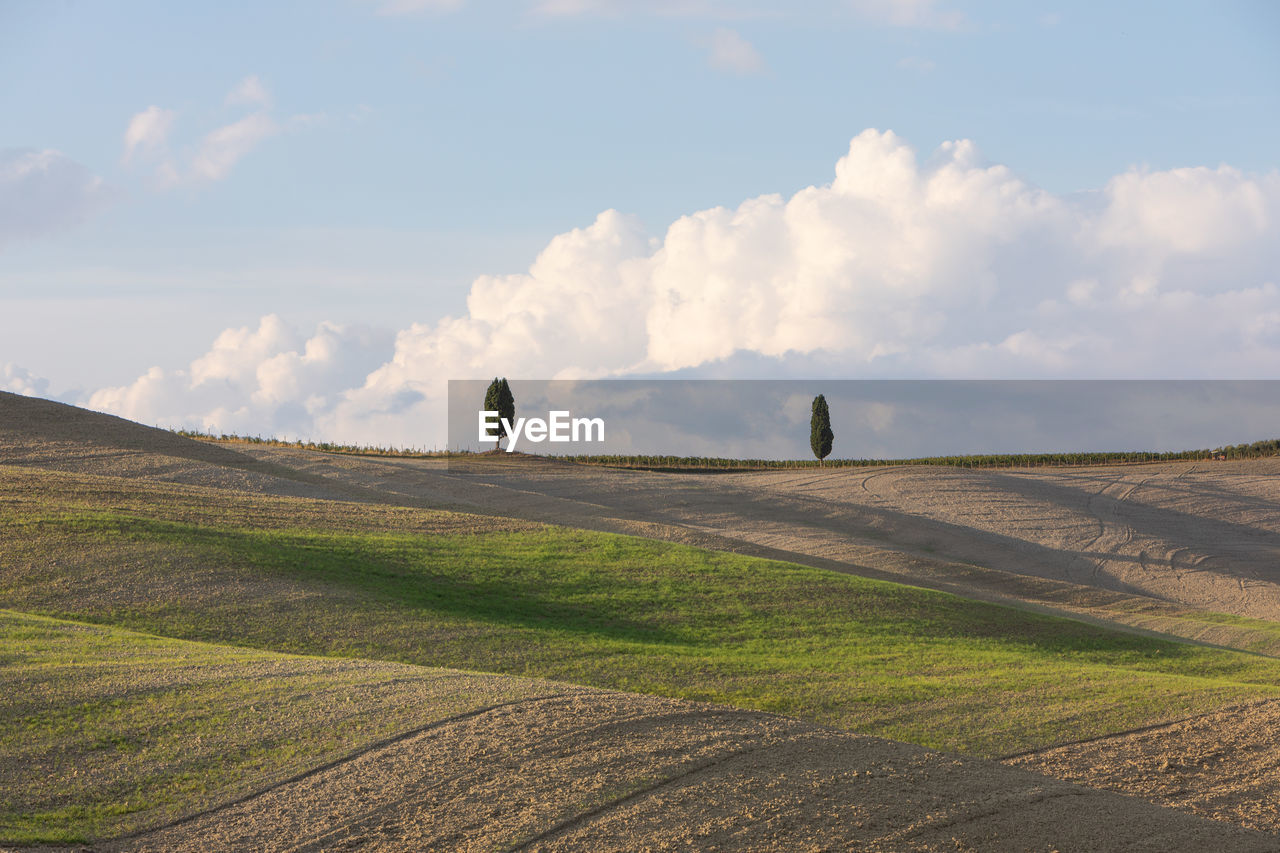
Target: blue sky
{"points": [[361, 167]]}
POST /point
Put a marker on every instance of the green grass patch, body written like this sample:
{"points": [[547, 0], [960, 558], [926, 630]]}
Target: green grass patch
{"points": [[107, 731], [618, 612]]}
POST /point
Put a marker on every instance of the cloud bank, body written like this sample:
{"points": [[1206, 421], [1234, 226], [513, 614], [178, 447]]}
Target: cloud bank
{"points": [[19, 380], [267, 380], [950, 268]]}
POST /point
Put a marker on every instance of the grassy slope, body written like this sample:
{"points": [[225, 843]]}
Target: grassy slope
{"points": [[135, 729], [449, 590]]}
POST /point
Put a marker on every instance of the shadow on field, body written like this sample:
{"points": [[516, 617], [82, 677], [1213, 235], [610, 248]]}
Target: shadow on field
{"points": [[472, 579], [399, 569]]}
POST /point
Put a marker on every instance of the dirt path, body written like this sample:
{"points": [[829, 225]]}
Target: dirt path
{"points": [[610, 771]]}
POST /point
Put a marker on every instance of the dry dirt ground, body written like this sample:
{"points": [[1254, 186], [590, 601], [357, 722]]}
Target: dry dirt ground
{"points": [[1170, 764], [1138, 545], [607, 771]]}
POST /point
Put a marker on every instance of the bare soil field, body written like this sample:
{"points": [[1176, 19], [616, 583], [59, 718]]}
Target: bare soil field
{"points": [[1158, 547], [605, 771], [1200, 765]]}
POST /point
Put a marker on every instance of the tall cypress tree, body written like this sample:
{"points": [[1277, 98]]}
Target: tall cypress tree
{"points": [[820, 434], [498, 398]]}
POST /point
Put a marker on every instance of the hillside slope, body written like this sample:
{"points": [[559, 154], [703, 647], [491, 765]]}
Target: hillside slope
{"points": [[199, 747], [54, 436], [1159, 546], [106, 520], [620, 772]]}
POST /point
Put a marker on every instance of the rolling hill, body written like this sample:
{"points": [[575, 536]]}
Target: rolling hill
{"points": [[272, 584]]}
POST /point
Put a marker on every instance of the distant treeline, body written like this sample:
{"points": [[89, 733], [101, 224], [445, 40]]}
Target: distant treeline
{"points": [[1256, 450], [326, 446]]}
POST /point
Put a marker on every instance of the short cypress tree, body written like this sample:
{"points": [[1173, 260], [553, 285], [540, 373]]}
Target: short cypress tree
{"points": [[820, 434], [498, 398]]}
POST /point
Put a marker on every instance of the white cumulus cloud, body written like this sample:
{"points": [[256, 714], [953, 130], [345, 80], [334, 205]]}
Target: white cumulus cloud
{"points": [[950, 268], [1188, 210], [267, 380]]}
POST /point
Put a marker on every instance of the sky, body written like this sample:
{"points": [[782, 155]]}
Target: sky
{"points": [[303, 219]]}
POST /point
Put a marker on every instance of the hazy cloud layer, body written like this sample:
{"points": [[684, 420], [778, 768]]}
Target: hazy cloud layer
{"points": [[148, 132], [926, 14], [729, 51], [249, 91], [707, 9], [213, 156], [45, 191], [414, 7], [918, 64], [951, 268]]}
